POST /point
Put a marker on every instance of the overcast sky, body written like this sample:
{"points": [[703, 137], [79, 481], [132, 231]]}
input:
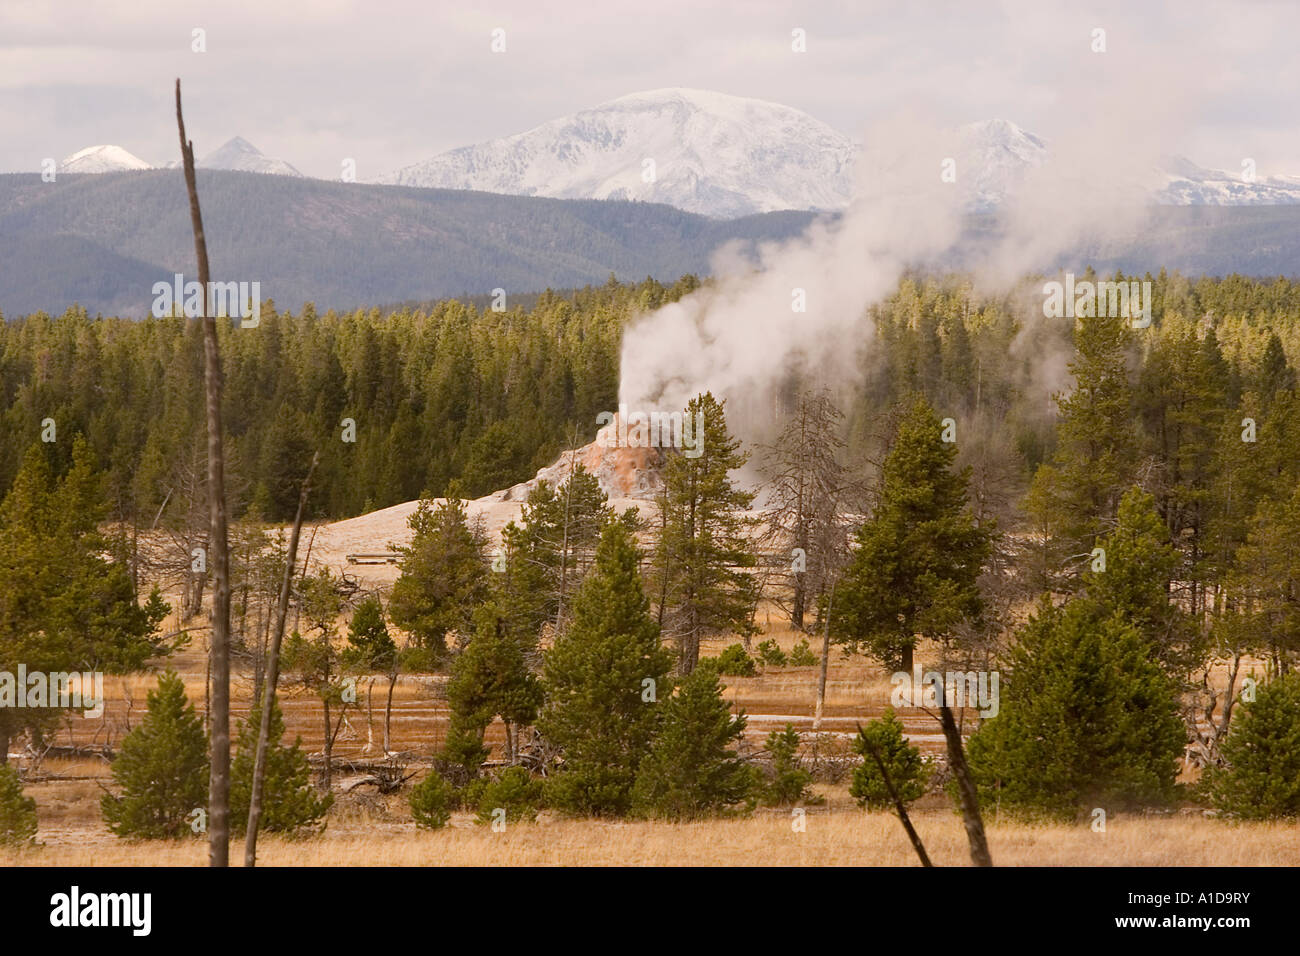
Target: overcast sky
{"points": [[390, 83]]}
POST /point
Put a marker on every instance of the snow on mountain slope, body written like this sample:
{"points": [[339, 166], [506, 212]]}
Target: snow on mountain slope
{"points": [[722, 156], [1191, 185], [705, 152], [994, 157], [101, 159], [241, 155], [727, 156]]}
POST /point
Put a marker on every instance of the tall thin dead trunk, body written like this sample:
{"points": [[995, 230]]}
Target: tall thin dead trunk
{"points": [[330, 737], [370, 716], [970, 804], [388, 713], [327, 781], [273, 673], [219, 556], [826, 657], [564, 547]]}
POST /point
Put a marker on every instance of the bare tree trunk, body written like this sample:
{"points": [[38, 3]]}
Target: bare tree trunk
{"points": [[272, 677], [327, 779], [1231, 697], [564, 546], [207, 686], [970, 804], [821, 682], [330, 737], [663, 581], [388, 713], [826, 657], [370, 716], [219, 649], [899, 807]]}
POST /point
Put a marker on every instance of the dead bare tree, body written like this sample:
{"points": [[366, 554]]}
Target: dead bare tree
{"points": [[179, 532], [809, 492], [219, 647], [807, 489], [273, 674]]}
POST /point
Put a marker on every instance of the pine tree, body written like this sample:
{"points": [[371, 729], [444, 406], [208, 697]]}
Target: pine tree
{"points": [[1266, 580], [692, 770], [789, 783], [528, 587], [444, 575], [1182, 397], [162, 769], [550, 550], [17, 812], [1140, 563], [1261, 776], [315, 661], [495, 459], [289, 801], [432, 801], [489, 679], [919, 556], [64, 604], [1275, 374], [1096, 455], [286, 452], [703, 552], [1087, 718], [602, 679], [371, 648], [883, 739], [515, 792]]}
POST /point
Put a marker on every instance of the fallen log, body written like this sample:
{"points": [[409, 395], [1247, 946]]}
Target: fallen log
{"points": [[70, 751]]}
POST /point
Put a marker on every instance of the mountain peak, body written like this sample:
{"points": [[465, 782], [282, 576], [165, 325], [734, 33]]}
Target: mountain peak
{"points": [[699, 150], [728, 156], [1001, 132], [239, 154], [102, 159]]}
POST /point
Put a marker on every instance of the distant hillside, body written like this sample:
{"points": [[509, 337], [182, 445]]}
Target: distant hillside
{"points": [[1260, 241], [103, 240]]}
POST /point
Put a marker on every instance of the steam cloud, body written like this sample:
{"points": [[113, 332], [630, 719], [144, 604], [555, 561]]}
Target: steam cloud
{"points": [[740, 338]]}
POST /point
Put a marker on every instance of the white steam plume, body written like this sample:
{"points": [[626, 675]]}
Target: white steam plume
{"points": [[740, 338]]}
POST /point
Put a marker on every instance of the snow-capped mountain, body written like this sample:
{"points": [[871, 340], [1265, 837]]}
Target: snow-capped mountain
{"points": [[241, 155], [993, 158], [705, 152], [727, 156], [1191, 185], [722, 156], [101, 159]]}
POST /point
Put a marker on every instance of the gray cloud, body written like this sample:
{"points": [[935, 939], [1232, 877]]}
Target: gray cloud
{"points": [[392, 83]]}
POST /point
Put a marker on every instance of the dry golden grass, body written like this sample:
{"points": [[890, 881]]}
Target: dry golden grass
{"points": [[842, 838], [378, 831]]}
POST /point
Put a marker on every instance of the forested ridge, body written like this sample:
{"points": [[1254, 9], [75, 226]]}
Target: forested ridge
{"points": [[455, 391], [102, 240]]}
